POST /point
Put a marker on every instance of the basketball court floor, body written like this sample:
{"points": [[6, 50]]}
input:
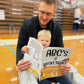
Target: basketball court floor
{"points": [[8, 71]]}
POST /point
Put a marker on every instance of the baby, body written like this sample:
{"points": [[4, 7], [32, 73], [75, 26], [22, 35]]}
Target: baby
{"points": [[44, 37]]}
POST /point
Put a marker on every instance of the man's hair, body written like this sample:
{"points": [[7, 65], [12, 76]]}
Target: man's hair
{"points": [[49, 1], [44, 32]]}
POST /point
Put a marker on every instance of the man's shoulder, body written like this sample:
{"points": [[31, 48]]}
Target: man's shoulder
{"points": [[55, 22], [30, 19]]}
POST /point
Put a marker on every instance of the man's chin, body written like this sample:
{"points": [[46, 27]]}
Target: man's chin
{"points": [[44, 24]]}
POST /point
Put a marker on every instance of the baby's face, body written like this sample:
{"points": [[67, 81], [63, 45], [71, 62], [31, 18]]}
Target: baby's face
{"points": [[44, 40]]}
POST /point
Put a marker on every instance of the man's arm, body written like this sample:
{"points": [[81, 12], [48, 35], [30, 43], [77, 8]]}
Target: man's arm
{"points": [[22, 40], [59, 43], [58, 37]]}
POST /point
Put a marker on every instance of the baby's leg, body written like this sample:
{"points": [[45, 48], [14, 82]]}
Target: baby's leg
{"points": [[26, 77], [61, 80], [45, 81]]}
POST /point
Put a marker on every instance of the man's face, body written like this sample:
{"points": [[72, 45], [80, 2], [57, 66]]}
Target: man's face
{"points": [[44, 40], [46, 12]]}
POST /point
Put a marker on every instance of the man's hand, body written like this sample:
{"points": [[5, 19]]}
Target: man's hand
{"points": [[23, 65], [65, 69]]}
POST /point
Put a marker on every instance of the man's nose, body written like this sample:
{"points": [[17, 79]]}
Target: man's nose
{"points": [[45, 16]]}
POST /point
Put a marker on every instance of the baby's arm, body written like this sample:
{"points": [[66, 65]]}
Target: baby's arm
{"points": [[24, 49]]}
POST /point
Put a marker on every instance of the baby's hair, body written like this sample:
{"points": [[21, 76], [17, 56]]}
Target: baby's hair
{"points": [[44, 32]]}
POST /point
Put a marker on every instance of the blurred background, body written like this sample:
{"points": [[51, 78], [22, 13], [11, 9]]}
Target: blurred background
{"points": [[70, 15]]}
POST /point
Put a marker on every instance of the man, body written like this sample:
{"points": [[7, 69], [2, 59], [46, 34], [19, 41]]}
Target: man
{"points": [[32, 26]]}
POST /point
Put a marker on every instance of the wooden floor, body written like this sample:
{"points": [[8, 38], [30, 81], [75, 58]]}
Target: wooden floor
{"points": [[8, 72]]}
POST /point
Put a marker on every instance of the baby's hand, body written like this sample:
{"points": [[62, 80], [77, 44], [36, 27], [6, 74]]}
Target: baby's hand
{"points": [[25, 49]]}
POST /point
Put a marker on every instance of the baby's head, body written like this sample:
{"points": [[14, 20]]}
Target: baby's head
{"points": [[44, 37]]}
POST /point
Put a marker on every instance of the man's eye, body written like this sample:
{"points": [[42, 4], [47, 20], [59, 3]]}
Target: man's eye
{"points": [[42, 12], [48, 13]]}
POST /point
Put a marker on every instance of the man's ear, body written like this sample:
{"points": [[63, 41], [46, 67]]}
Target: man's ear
{"points": [[55, 10]]}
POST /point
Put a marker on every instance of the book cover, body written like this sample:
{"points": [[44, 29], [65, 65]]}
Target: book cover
{"points": [[46, 62]]}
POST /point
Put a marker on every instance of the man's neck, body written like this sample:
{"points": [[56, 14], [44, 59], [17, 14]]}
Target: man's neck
{"points": [[43, 26]]}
